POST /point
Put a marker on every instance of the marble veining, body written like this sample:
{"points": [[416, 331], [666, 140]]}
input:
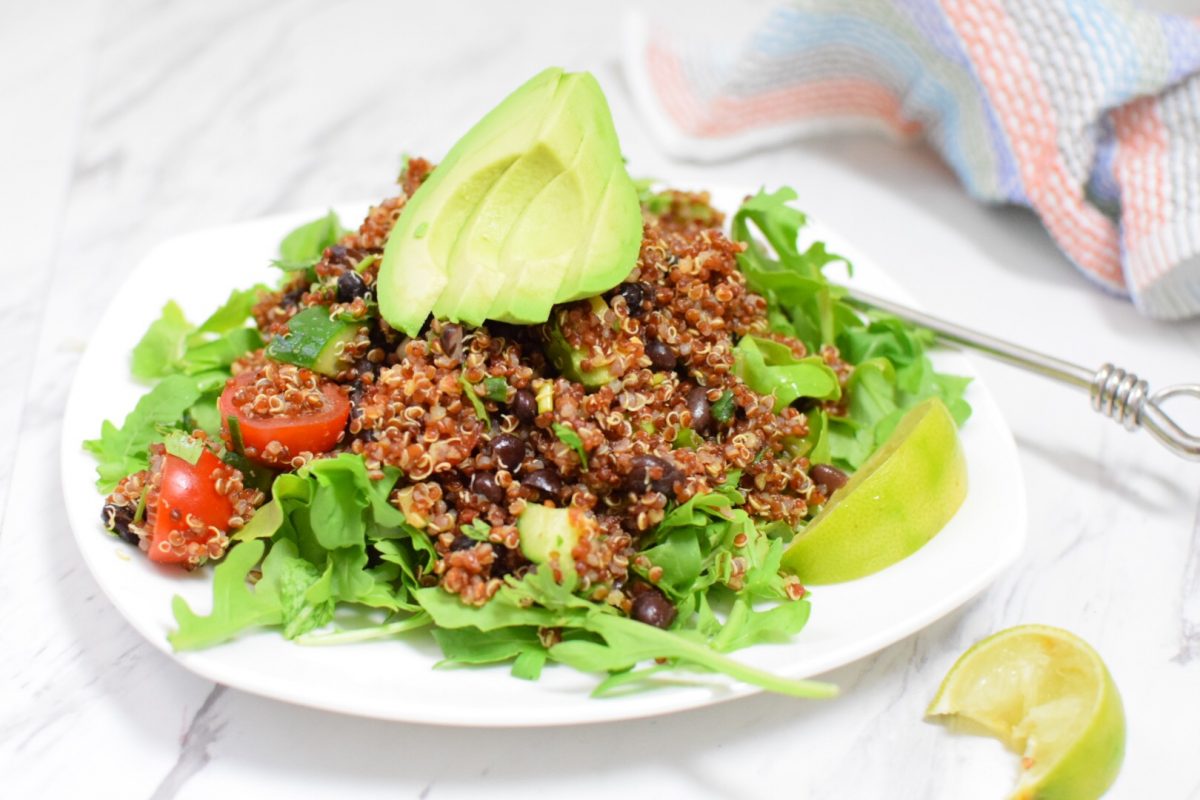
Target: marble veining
{"points": [[146, 120]]}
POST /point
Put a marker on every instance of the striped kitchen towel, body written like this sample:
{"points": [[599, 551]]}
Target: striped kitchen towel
{"points": [[1085, 111]]}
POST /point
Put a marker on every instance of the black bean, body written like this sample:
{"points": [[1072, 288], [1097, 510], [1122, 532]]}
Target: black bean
{"points": [[292, 298], [652, 473], [484, 483], [661, 357], [697, 403], [451, 339], [635, 295], [509, 450], [524, 405], [652, 607], [805, 404], [118, 519], [350, 286], [462, 543], [828, 476], [336, 254], [544, 481], [506, 561], [357, 391]]}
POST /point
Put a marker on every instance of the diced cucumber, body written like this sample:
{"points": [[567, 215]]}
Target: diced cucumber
{"points": [[314, 340]]}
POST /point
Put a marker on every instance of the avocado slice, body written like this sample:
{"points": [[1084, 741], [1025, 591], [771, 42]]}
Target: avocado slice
{"points": [[414, 269], [568, 360], [547, 533], [475, 283], [532, 204]]}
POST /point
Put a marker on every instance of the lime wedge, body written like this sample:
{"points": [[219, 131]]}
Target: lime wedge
{"points": [[896, 502], [1046, 695]]}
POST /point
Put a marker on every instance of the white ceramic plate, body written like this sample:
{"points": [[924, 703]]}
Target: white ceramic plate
{"points": [[394, 679]]}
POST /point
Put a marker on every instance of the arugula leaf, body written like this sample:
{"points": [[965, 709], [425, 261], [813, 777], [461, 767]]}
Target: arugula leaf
{"points": [[319, 522], [628, 642], [890, 353], [235, 605], [472, 646], [162, 345], [800, 301], [528, 665], [477, 530], [125, 450], [770, 368], [746, 626], [305, 594], [723, 410], [571, 439], [183, 445], [304, 246], [173, 345], [654, 202]]}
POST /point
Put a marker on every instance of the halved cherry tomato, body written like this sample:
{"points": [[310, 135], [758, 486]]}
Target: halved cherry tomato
{"points": [[187, 490], [317, 431]]}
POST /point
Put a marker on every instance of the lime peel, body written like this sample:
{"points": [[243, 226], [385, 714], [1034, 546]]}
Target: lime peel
{"points": [[1047, 695], [898, 500]]}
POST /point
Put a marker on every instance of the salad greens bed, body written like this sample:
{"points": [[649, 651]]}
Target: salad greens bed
{"points": [[329, 560]]}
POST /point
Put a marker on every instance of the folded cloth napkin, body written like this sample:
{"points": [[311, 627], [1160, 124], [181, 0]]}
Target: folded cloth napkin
{"points": [[1086, 111]]}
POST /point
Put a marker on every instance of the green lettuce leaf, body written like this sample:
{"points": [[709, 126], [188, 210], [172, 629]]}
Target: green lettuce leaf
{"points": [[892, 370], [173, 345], [304, 246], [770, 368], [125, 450], [319, 525]]}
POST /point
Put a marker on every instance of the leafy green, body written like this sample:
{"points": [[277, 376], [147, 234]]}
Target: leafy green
{"points": [[235, 605], [318, 525], [723, 410], [183, 445], [495, 389], [627, 642], [173, 345], [892, 370], [477, 530], [571, 439], [770, 368], [191, 364], [125, 450], [473, 397], [472, 646], [304, 246], [652, 201]]}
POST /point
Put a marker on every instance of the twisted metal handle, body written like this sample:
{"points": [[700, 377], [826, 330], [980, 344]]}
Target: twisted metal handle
{"points": [[1123, 397], [1116, 393]]}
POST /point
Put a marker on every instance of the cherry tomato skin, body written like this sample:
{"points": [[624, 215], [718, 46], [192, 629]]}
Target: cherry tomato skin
{"points": [[316, 432], [187, 489]]}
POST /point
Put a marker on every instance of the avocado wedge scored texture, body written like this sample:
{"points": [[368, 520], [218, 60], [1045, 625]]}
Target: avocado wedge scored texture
{"points": [[532, 207]]}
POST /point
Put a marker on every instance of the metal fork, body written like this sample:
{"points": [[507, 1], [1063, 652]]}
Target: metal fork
{"points": [[1115, 393]]}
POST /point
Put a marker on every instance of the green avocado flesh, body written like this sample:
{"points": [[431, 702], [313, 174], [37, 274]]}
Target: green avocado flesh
{"points": [[546, 533], [532, 207]]}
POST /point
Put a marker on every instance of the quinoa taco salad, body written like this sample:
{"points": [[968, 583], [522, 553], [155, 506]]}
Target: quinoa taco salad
{"points": [[549, 413]]}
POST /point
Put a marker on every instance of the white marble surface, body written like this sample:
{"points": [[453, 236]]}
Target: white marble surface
{"points": [[125, 123]]}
